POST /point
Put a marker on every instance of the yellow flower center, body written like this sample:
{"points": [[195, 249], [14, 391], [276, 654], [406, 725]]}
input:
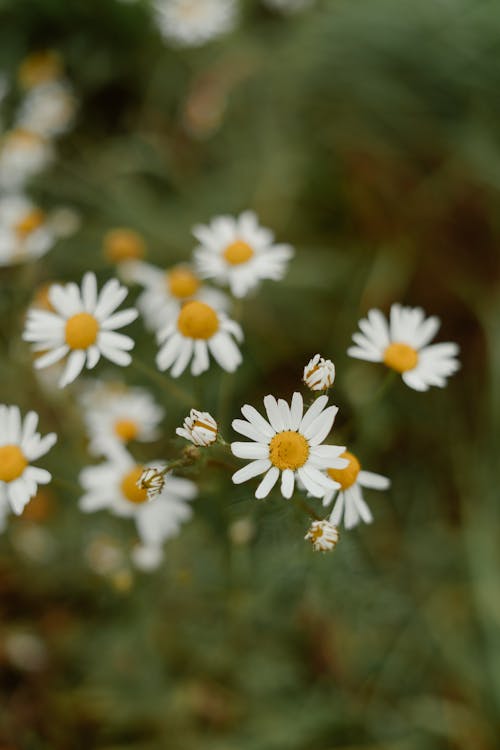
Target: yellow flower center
{"points": [[129, 488], [182, 282], [288, 450], [238, 252], [81, 330], [20, 137], [400, 357], [346, 477], [197, 320], [123, 244], [126, 429], [39, 68], [29, 223], [12, 463]]}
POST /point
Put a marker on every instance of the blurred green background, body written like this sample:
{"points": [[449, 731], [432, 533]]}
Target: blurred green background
{"points": [[367, 134]]}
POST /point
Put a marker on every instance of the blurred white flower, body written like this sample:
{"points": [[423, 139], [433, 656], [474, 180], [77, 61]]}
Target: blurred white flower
{"points": [[64, 221], [147, 557], [83, 326], [323, 536], [23, 155], [200, 428], [402, 345], [239, 252], [25, 651], [288, 6], [191, 23], [289, 444], [122, 245], [24, 232], [48, 109], [39, 68], [319, 373]]}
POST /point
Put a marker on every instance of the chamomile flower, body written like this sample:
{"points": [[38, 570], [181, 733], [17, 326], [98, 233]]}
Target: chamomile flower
{"points": [[323, 536], [115, 413], [20, 444], [83, 327], [113, 486], [24, 231], [191, 23], [350, 505], [23, 154], [239, 252], [48, 109], [197, 330], [402, 345], [165, 291], [288, 443], [319, 373], [200, 428]]}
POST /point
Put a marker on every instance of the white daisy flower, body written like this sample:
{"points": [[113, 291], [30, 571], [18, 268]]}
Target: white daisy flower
{"points": [[319, 373], [323, 536], [402, 345], [190, 23], [83, 327], [350, 505], [113, 486], [24, 231], [198, 330], [239, 252], [48, 109], [200, 428], [20, 444], [114, 412], [290, 444], [165, 291], [23, 155]]}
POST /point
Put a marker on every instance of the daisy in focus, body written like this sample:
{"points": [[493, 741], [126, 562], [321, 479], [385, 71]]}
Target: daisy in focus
{"points": [[191, 23], [23, 155], [82, 327], [113, 486], [402, 344], [114, 413], [20, 444], [238, 252], [197, 330], [319, 373], [200, 428], [323, 536], [289, 444], [24, 231], [48, 109], [350, 505]]}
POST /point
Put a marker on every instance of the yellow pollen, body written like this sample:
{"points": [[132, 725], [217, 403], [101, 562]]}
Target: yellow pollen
{"points": [[182, 282], [39, 67], [288, 450], [131, 491], [29, 223], [123, 244], [126, 429], [81, 331], [346, 477], [12, 463], [238, 252], [400, 357], [197, 320]]}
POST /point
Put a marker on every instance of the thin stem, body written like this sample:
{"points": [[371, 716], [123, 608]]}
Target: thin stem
{"points": [[307, 508], [173, 389]]}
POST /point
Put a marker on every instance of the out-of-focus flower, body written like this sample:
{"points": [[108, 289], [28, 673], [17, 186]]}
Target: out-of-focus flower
{"points": [[191, 23], [39, 68], [239, 252], [23, 154], [113, 485], [402, 345], [200, 428], [147, 557], [323, 536], [64, 221], [289, 444], [319, 373], [83, 326], [123, 244], [288, 6], [48, 109], [24, 232], [25, 651], [198, 330], [20, 444], [350, 505], [241, 531], [104, 555]]}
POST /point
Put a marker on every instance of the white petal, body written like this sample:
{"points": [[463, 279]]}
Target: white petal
{"points": [[74, 366], [273, 413], [267, 483], [249, 450], [258, 420], [375, 481], [314, 410], [287, 483], [251, 470]]}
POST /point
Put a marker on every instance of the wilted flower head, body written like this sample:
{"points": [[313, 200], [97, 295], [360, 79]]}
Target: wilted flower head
{"points": [[323, 536], [153, 481], [319, 373], [200, 428]]}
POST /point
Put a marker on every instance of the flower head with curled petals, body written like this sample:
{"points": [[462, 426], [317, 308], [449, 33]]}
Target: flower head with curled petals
{"points": [[319, 373], [323, 536], [200, 428], [20, 444], [83, 327], [288, 443], [402, 344]]}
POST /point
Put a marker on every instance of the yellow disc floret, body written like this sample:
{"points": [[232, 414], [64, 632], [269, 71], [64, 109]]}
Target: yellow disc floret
{"points": [[288, 450], [12, 463], [400, 357], [197, 320], [238, 252], [123, 244], [81, 331], [29, 223], [346, 477], [126, 429], [182, 283], [131, 491]]}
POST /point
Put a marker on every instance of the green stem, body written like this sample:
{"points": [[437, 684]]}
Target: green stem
{"points": [[173, 389]]}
